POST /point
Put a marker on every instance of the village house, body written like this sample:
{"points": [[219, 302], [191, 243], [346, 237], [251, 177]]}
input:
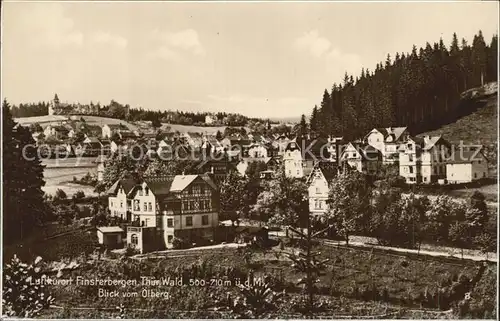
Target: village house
{"points": [[465, 166], [218, 166], [109, 129], [90, 130], [258, 150], [423, 160], [210, 119], [56, 131], [362, 157], [319, 186], [302, 155], [110, 236], [211, 144], [242, 166], [164, 208], [127, 135], [387, 140], [118, 203], [335, 146], [194, 140], [280, 143], [101, 166]]}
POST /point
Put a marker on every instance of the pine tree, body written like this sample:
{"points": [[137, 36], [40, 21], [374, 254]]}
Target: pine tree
{"points": [[324, 126], [314, 121], [479, 58], [23, 198]]}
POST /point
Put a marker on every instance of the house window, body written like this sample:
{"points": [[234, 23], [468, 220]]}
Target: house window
{"points": [[196, 189], [479, 161], [170, 238], [318, 190], [150, 207], [410, 158], [134, 240], [121, 204], [140, 192], [204, 220], [207, 205], [411, 169], [170, 222], [146, 191], [146, 222], [189, 221], [297, 172], [425, 179], [475, 175]]}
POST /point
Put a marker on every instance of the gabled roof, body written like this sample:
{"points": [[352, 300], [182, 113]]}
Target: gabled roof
{"points": [[394, 132], [431, 141], [327, 169], [92, 140], [311, 146], [127, 185], [159, 186]]}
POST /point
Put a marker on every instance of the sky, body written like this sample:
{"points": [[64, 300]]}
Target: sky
{"points": [[267, 59]]}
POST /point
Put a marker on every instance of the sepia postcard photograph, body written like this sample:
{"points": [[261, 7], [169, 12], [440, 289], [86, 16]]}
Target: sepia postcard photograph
{"points": [[249, 160]]}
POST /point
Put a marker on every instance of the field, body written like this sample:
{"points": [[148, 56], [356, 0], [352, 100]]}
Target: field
{"points": [[59, 173], [350, 278], [95, 120]]}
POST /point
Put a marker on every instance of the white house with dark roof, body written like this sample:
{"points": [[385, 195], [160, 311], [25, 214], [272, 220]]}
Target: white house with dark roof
{"points": [[109, 129], [161, 208], [118, 203], [466, 166], [362, 157], [319, 186], [424, 159], [387, 141]]}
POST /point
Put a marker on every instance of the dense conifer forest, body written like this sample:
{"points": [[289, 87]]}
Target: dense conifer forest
{"points": [[420, 89]]}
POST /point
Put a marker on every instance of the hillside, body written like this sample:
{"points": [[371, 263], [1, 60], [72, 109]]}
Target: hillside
{"points": [[54, 119], [478, 127]]}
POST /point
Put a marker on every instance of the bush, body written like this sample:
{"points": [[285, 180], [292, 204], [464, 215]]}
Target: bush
{"points": [[60, 195], [22, 298], [79, 195], [179, 243]]}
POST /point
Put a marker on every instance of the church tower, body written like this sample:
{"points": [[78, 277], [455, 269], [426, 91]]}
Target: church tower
{"points": [[54, 105]]}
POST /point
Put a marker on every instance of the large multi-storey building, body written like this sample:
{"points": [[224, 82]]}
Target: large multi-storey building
{"points": [[362, 157], [423, 160], [387, 141], [301, 155], [163, 208]]}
